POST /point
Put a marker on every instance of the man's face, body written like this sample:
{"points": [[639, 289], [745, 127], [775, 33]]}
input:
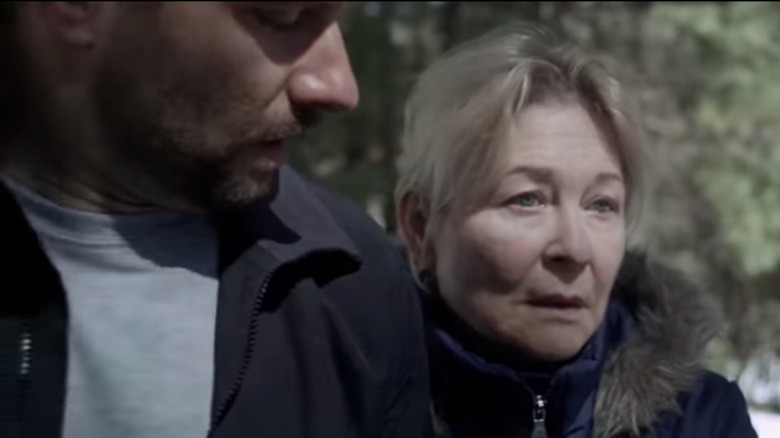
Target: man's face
{"points": [[194, 100]]}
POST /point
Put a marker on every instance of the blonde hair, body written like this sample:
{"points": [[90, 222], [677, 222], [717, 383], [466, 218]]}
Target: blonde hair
{"points": [[463, 104]]}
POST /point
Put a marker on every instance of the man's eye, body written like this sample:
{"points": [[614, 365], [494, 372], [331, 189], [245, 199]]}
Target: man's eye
{"points": [[279, 19]]}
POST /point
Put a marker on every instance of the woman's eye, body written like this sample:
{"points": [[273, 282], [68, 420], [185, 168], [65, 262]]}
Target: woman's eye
{"points": [[604, 206], [527, 200]]}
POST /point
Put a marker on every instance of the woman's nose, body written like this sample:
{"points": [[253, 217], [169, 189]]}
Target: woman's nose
{"points": [[570, 245]]}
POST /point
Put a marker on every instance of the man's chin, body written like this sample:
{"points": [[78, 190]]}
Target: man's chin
{"points": [[256, 187]]}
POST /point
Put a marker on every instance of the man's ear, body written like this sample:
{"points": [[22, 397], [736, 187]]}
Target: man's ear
{"points": [[75, 24], [412, 219]]}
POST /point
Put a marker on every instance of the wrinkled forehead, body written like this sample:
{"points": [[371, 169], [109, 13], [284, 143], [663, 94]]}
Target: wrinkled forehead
{"points": [[486, 163], [564, 115]]}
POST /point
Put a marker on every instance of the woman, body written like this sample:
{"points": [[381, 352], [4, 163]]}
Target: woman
{"points": [[520, 175]]}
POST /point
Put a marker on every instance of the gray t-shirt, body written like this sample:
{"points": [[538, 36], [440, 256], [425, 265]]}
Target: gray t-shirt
{"points": [[142, 297]]}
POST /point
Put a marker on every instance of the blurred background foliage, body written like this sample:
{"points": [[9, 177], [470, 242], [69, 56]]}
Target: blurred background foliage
{"points": [[706, 79]]}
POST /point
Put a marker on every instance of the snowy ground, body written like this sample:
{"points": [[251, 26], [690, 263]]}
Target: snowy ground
{"points": [[760, 382], [767, 424]]}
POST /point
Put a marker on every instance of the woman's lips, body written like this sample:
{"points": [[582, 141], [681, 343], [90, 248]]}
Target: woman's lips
{"points": [[557, 301]]}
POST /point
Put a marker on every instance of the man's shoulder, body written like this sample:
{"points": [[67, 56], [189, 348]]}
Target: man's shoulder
{"points": [[378, 251], [371, 240]]}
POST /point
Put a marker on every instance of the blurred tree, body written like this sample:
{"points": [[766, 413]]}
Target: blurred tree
{"points": [[720, 63]]}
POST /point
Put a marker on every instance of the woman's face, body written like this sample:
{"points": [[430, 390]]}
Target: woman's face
{"points": [[533, 265]]}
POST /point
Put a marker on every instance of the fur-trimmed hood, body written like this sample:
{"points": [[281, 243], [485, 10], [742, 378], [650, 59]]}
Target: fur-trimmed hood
{"points": [[643, 377], [655, 356]]}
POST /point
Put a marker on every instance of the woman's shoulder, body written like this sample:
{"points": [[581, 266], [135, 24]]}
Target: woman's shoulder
{"points": [[713, 392], [716, 407], [660, 326]]}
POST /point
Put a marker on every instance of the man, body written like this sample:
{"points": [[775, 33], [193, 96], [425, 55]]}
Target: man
{"points": [[164, 274]]}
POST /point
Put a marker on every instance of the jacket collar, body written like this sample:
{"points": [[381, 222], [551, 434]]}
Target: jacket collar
{"points": [[571, 386], [33, 301], [23, 254], [644, 376], [288, 224]]}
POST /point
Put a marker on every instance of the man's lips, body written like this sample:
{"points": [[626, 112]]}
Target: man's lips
{"points": [[273, 152]]}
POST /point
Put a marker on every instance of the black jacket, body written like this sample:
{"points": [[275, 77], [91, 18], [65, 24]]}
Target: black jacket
{"points": [[318, 332], [640, 375]]}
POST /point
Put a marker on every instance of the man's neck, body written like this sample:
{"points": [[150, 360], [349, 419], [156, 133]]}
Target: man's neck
{"points": [[72, 189]]}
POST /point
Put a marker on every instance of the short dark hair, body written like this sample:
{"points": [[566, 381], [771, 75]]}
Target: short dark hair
{"points": [[7, 12]]}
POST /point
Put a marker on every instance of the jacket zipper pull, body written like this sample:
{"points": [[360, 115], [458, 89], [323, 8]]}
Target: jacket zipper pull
{"points": [[539, 415]]}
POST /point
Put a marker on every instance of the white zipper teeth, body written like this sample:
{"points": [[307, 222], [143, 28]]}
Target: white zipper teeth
{"points": [[25, 348]]}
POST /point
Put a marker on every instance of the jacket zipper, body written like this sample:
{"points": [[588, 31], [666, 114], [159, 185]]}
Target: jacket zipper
{"points": [[249, 347], [25, 353], [539, 416], [538, 410], [25, 363], [227, 402]]}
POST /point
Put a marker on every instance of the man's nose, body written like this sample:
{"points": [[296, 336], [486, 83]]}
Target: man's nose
{"points": [[323, 78]]}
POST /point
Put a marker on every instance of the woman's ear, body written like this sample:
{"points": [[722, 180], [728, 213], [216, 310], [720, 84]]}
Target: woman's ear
{"points": [[412, 220]]}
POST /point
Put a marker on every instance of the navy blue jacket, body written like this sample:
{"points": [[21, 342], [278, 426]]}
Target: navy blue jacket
{"points": [[319, 331], [637, 376]]}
